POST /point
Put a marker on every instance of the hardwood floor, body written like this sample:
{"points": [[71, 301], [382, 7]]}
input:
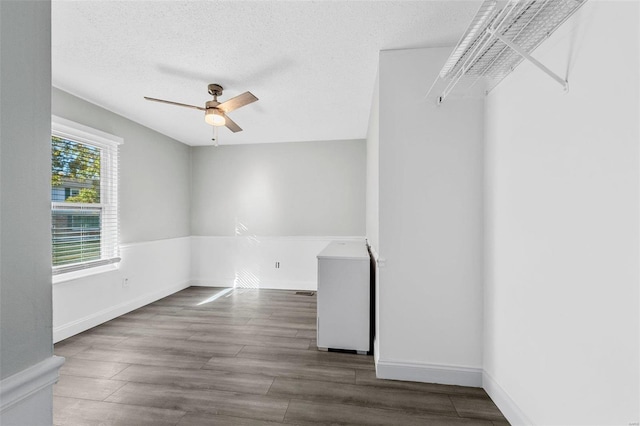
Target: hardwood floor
{"points": [[246, 358]]}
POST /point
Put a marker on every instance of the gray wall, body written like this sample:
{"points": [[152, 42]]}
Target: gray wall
{"points": [[25, 210], [284, 189], [154, 172]]}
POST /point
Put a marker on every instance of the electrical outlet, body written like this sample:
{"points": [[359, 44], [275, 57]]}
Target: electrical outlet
{"points": [[125, 282], [277, 265]]}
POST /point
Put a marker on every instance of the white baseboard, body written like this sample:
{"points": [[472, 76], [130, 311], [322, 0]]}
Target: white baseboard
{"points": [[264, 284], [18, 388], [211, 283], [289, 285], [70, 329], [429, 373], [503, 401]]}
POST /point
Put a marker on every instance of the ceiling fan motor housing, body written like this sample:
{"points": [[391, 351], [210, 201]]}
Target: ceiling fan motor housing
{"points": [[215, 90]]}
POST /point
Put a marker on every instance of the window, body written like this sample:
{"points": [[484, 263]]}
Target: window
{"points": [[84, 196]]}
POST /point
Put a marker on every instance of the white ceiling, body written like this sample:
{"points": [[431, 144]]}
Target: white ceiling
{"points": [[312, 64]]}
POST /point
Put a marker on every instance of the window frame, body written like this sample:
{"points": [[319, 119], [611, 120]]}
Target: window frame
{"points": [[108, 145]]}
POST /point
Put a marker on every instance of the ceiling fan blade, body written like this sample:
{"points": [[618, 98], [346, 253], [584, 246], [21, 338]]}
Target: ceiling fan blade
{"points": [[231, 125], [174, 103], [237, 102]]}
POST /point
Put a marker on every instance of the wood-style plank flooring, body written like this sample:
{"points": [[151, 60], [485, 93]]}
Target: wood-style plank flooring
{"points": [[248, 357]]}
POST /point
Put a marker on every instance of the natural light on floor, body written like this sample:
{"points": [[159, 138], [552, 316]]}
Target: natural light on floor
{"points": [[216, 296]]}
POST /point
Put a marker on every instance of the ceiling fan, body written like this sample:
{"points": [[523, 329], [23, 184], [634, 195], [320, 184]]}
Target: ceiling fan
{"points": [[215, 113]]}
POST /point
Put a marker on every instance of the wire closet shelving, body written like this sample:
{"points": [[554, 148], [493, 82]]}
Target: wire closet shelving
{"points": [[500, 36]]}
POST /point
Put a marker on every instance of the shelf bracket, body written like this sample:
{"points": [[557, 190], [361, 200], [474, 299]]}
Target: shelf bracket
{"points": [[564, 83]]}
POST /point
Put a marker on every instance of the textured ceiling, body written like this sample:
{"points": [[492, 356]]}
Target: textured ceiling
{"points": [[312, 64]]}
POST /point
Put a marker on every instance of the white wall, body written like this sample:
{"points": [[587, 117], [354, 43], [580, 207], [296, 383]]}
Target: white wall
{"points": [[255, 205], [561, 292], [155, 197], [27, 368], [250, 262], [373, 194], [430, 225], [373, 169]]}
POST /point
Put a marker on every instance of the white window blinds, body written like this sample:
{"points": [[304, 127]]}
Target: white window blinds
{"points": [[84, 197]]}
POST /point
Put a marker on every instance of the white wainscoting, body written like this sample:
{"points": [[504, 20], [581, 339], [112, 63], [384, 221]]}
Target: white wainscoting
{"points": [[153, 270], [429, 373], [250, 261], [26, 397]]}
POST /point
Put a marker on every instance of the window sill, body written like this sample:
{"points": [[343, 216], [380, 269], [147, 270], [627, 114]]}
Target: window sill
{"points": [[83, 273]]}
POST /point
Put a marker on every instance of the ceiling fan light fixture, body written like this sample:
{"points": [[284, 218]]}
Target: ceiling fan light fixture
{"points": [[215, 113], [214, 117]]}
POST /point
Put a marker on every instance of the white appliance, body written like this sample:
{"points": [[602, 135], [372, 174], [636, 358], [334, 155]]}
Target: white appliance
{"points": [[343, 296]]}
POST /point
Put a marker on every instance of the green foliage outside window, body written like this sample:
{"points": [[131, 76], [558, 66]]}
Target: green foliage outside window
{"points": [[77, 165], [86, 195]]}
